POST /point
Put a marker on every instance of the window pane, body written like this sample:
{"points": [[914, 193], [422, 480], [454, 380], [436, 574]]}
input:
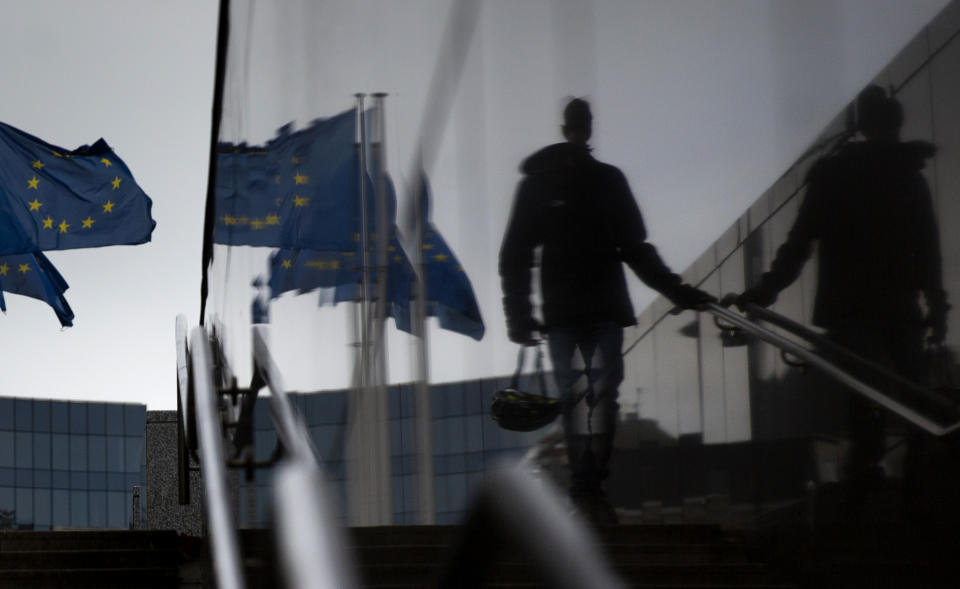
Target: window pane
{"points": [[8, 477], [116, 510], [98, 453], [97, 481], [96, 420], [134, 420], [41, 450], [42, 479], [78, 509], [24, 415], [41, 507], [60, 417], [7, 508], [24, 477], [24, 508], [78, 452], [6, 413], [133, 452], [24, 450], [115, 453], [114, 419], [61, 508], [78, 418], [61, 479], [6, 450], [79, 480], [41, 416], [60, 452], [115, 481], [98, 509]]}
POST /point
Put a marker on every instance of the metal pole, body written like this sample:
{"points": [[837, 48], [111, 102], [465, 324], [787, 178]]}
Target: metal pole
{"points": [[384, 229], [364, 253], [423, 419]]}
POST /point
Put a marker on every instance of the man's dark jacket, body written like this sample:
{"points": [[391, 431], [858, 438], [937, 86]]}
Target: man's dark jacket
{"points": [[582, 213], [870, 210]]}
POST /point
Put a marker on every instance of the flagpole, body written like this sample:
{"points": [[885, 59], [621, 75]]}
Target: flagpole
{"points": [[423, 425], [363, 487], [378, 331]]}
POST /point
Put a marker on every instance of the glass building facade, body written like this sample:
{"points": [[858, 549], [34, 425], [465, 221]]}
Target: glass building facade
{"points": [[744, 408], [66, 464], [466, 443]]}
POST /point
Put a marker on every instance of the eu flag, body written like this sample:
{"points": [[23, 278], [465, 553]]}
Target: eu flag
{"points": [[52, 198], [301, 190], [34, 276], [305, 270], [450, 296]]}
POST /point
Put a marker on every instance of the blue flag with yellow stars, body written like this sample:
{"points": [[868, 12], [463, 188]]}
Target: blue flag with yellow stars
{"points": [[34, 276], [450, 296], [301, 190], [55, 199], [305, 270]]}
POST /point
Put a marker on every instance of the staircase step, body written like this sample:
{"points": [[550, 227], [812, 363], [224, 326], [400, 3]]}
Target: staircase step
{"points": [[119, 558], [16, 540], [110, 578]]}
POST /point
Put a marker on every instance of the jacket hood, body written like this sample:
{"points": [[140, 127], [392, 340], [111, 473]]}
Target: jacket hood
{"points": [[556, 158]]}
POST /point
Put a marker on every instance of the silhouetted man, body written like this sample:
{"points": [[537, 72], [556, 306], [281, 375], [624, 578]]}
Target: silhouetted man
{"points": [[869, 208], [583, 215]]}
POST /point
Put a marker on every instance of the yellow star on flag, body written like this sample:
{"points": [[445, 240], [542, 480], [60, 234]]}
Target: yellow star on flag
{"points": [[116, 182], [286, 264], [300, 178], [48, 222], [108, 207], [35, 205], [4, 269], [88, 223], [273, 220], [334, 264], [63, 226], [38, 165], [32, 183], [228, 220], [294, 160], [105, 162], [300, 201], [24, 268], [257, 224], [440, 257]]}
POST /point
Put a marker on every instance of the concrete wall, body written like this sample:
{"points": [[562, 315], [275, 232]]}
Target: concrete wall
{"points": [[164, 511]]}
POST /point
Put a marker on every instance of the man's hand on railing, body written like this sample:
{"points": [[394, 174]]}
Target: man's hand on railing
{"points": [[685, 296], [752, 296]]}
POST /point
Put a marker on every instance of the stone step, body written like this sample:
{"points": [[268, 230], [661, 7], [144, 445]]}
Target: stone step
{"points": [[15, 540], [134, 578], [119, 558]]}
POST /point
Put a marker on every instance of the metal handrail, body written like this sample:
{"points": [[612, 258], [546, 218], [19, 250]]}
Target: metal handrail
{"points": [[824, 343], [311, 547], [833, 370], [225, 546]]}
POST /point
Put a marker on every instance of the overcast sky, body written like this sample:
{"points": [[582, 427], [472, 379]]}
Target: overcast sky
{"points": [[702, 103]]}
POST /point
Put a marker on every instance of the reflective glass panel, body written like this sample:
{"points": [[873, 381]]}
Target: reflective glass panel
{"points": [[41, 450]]}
